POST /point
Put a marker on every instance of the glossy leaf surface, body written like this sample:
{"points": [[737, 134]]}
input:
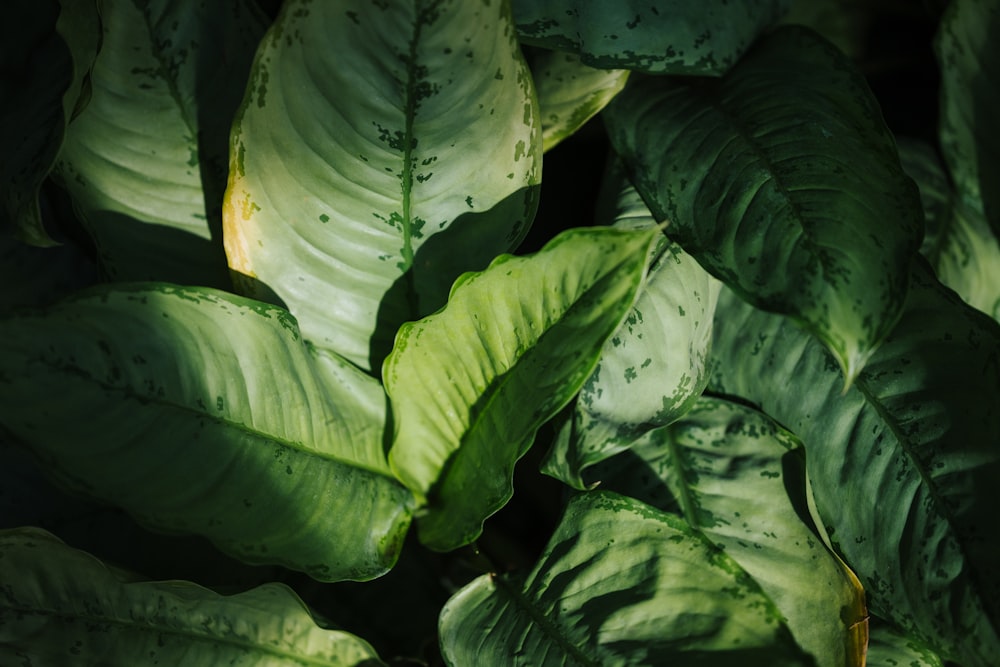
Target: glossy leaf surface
{"points": [[60, 606], [620, 583], [782, 180], [661, 37], [374, 140], [471, 384], [903, 466], [198, 411], [739, 479], [145, 160]]}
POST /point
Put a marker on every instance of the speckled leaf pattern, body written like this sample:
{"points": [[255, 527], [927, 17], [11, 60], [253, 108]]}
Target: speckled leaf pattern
{"points": [[903, 465], [659, 37], [782, 180], [654, 367], [619, 583], [888, 647], [145, 160], [570, 93], [958, 242], [61, 606], [739, 479], [199, 411], [46, 53], [383, 149], [970, 102], [471, 384]]}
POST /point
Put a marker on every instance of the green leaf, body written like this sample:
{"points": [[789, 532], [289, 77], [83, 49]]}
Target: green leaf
{"points": [[60, 606], [782, 180], [620, 583], [970, 102], [471, 384], [654, 367], [904, 464], [376, 138], [665, 37], [887, 647], [198, 411], [959, 244], [45, 57], [570, 93], [739, 479], [145, 161]]}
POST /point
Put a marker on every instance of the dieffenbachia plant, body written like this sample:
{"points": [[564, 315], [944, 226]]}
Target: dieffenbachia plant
{"points": [[305, 382]]}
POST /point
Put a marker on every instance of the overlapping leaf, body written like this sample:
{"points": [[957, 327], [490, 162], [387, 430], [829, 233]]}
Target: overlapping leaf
{"points": [[654, 367], [383, 148], [46, 52], [60, 606], [903, 465], [145, 161], [739, 480], [664, 37], [782, 180], [198, 411], [970, 102], [620, 583], [890, 648], [471, 384]]}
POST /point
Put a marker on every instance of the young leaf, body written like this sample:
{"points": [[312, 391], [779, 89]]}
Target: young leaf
{"points": [[471, 384], [46, 52], [782, 180], [739, 479], [374, 140], [570, 93], [620, 583], [665, 37], [145, 161], [654, 367], [60, 606], [970, 102], [903, 465], [198, 411]]}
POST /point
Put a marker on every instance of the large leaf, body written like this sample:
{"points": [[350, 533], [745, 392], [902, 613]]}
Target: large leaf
{"points": [[904, 465], [383, 149], [782, 180], [45, 57], [471, 384], [663, 37], [654, 367], [739, 479], [60, 606], [620, 583], [959, 243], [570, 93], [198, 411], [970, 102], [145, 161]]}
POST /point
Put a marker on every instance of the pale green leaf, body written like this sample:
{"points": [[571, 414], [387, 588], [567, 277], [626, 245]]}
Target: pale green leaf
{"points": [[619, 583], [661, 37], [782, 180], [570, 93], [145, 161], [654, 367], [199, 411], [903, 465], [739, 479], [471, 384], [969, 57], [383, 149], [888, 647], [45, 57], [60, 606]]}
